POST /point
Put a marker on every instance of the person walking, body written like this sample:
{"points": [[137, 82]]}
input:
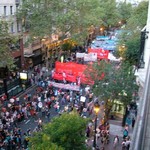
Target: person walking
{"points": [[133, 122], [116, 141], [124, 145], [128, 143], [125, 133]]}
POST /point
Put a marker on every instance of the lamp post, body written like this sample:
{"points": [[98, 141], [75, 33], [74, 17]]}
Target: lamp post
{"points": [[96, 110]]}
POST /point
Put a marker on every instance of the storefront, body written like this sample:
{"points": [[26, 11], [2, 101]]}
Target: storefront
{"points": [[37, 59], [33, 59], [117, 109]]}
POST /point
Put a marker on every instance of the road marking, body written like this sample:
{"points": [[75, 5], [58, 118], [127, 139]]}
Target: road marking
{"points": [[34, 129], [27, 121]]}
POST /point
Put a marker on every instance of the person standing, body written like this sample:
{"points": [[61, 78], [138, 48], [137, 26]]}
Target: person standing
{"points": [[64, 77], [128, 143], [133, 122], [125, 133], [124, 145], [116, 141]]}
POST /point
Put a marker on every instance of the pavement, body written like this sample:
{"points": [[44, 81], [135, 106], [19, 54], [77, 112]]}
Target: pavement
{"points": [[115, 129]]}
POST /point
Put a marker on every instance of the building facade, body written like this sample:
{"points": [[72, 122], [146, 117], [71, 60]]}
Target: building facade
{"points": [[8, 13], [10, 84], [141, 134]]}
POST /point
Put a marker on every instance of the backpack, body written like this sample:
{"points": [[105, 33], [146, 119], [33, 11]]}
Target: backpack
{"points": [[125, 133]]}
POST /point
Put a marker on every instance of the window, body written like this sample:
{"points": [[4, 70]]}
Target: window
{"points": [[18, 26], [11, 10], [17, 6], [12, 28], [5, 13]]}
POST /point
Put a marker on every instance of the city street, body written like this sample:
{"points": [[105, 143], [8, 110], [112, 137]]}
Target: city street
{"points": [[115, 126]]}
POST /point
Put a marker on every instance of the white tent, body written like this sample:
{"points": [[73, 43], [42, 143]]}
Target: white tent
{"points": [[111, 57]]}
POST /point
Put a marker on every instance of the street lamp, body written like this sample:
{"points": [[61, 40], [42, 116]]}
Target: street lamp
{"points": [[96, 110]]}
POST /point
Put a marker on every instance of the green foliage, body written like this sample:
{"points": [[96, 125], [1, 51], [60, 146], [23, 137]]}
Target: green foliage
{"points": [[41, 141], [129, 48], [109, 14], [5, 41], [125, 11], [46, 17], [66, 46], [131, 53], [117, 80], [138, 17], [135, 23], [67, 132]]}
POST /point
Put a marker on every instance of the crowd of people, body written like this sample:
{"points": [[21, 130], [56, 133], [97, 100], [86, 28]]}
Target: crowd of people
{"points": [[38, 104]]}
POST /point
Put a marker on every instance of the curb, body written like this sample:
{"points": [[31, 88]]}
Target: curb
{"points": [[26, 91]]}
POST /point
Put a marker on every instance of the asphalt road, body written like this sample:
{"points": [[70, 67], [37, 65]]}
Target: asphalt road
{"points": [[31, 123]]}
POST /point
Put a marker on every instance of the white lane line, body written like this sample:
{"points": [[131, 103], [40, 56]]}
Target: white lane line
{"points": [[27, 121]]}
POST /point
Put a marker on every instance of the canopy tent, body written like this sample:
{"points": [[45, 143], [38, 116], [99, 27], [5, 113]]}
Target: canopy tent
{"points": [[111, 57], [101, 54]]}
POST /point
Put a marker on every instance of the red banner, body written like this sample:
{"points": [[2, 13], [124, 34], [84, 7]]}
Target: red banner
{"points": [[70, 78], [57, 76], [70, 68], [72, 73], [101, 54]]}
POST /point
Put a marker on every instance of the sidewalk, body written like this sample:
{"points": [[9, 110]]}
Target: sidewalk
{"points": [[114, 130]]}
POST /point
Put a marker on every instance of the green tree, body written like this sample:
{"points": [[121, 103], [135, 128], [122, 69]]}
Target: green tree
{"points": [[5, 42], [44, 17], [131, 53], [109, 16], [131, 38], [66, 131], [125, 11], [117, 83], [138, 17], [41, 141]]}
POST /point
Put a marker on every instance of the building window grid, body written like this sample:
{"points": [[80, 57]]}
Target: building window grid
{"points": [[12, 28], [11, 10], [18, 26], [5, 10]]}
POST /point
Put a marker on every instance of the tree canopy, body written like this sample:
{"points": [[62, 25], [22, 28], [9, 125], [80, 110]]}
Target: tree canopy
{"points": [[109, 15], [67, 132], [118, 81], [45, 17], [131, 39], [125, 11], [138, 17]]}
